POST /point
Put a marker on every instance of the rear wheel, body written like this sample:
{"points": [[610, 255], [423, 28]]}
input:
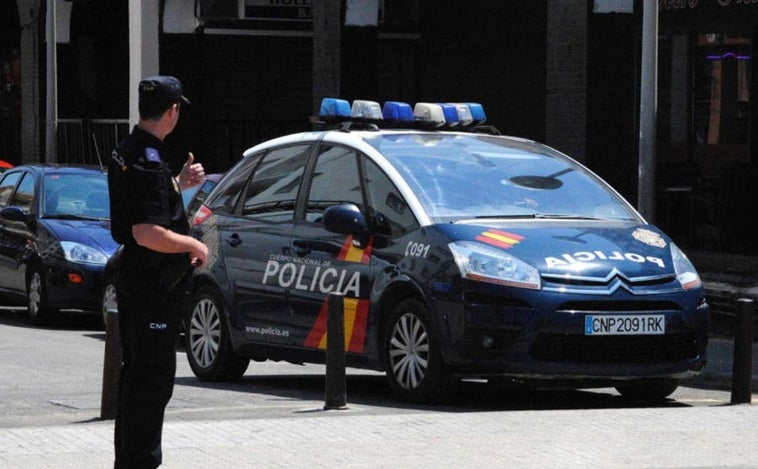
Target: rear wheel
{"points": [[648, 389], [412, 356], [209, 349]]}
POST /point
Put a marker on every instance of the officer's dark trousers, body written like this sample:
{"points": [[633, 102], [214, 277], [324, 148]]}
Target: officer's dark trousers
{"points": [[149, 327]]}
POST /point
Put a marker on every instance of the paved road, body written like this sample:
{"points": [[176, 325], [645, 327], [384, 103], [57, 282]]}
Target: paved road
{"points": [[50, 390]]}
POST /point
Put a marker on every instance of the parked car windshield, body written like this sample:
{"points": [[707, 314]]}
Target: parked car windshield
{"points": [[457, 176], [76, 195]]}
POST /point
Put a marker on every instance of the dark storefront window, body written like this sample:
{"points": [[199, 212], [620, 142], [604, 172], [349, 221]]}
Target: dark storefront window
{"points": [[722, 91], [705, 175]]}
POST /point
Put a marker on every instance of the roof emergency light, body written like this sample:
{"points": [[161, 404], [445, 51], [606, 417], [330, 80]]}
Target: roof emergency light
{"points": [[477, 113], [464, 114], [333, 107], [451, 115], [366, 109], [429, 113], [397, 111]]}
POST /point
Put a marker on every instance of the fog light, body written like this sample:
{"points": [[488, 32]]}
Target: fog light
{"points": [[487, 341]]}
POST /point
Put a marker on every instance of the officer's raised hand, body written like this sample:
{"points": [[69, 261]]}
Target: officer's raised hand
{"points": [[191, 174]]}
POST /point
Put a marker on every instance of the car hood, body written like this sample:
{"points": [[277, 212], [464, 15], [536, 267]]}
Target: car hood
{"points": [[94, 233], [586, 249]]}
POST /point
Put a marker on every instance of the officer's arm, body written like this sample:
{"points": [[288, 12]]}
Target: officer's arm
{"points": [[160, 239]]}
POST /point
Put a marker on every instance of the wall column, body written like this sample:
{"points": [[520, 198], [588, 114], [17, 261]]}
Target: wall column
{"points": [[144, 60], [566, 83], [31, 122]]}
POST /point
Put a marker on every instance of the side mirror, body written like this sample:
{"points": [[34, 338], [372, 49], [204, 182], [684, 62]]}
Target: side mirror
{"points": [[14, 213], [345, 219]]}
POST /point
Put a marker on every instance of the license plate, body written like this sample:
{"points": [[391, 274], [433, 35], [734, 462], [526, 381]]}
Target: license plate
{"points": [[625, 324]]}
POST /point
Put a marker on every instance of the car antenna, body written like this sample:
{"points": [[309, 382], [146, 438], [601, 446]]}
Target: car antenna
{"points": [[97, 151]]}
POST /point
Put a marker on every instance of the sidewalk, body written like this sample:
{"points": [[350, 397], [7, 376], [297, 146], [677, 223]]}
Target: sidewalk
{"points": [[710, 436], [670, 436]]}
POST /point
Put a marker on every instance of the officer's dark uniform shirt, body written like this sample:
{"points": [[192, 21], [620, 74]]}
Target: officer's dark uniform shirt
{"points": [[143, 190]]}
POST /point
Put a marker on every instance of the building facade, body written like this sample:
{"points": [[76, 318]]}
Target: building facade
{"points": [[564, 72]]}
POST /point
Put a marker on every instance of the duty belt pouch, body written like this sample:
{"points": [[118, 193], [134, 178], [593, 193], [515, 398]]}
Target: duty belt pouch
{"points": [[175, 272]]}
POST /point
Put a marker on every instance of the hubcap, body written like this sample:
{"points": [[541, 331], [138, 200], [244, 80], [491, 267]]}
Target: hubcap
{"points": [[204, 332], [35, 294], [110, 304], [409, 351]]}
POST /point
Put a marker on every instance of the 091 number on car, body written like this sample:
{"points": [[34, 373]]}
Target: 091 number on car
{"points": [[416, 249]]}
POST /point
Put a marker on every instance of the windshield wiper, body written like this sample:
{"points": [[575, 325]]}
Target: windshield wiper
{"points": [[545, 216], [69, 216]]}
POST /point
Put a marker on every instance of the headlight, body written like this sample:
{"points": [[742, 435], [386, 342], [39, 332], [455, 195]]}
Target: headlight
{"points": [[83, 254], [482, 263], [685, 271]]}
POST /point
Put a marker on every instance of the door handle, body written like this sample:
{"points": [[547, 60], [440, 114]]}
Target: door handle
{"points": [[234, 240], [302, 251]]}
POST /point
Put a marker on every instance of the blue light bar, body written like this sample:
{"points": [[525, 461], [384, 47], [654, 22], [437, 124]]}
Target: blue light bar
{"points": [[451, 115], [477, 113], [397, 111], [333, 107]]}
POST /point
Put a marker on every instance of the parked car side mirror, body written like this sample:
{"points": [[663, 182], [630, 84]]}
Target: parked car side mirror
{"points": [[345, 219], [14, 213]]}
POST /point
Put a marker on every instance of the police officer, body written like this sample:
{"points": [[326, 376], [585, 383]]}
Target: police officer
{"points": [[147, 217]]}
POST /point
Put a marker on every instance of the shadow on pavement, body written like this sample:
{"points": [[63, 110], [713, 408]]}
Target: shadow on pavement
{"points": [[472, 396]]}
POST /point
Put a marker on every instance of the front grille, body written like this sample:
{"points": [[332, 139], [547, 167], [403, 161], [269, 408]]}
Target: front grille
{"points": [[616, 349]]}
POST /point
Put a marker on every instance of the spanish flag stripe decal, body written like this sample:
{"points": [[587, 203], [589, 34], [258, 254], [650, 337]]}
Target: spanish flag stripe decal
{"points": [[499, 238], [504, 236], [358, 338], [355, 310], [318, 332], [349, 305], [345, 248]]}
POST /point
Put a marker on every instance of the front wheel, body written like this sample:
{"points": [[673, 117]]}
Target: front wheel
{"points": [[412, 356], [110, 301], [209, 349], [36, 297], [648, 389]]}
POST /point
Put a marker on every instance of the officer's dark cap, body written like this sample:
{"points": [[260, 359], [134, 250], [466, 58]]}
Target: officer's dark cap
{"points": [[158, 93]]}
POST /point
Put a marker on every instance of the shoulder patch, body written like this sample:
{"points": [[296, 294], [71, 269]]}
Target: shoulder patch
{"points": [[152, 155]]}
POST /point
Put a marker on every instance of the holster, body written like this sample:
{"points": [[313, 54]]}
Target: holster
{"points": [[175, 274]]}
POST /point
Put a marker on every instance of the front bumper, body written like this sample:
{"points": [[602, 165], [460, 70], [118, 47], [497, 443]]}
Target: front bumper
{"points": [[62, 293]]}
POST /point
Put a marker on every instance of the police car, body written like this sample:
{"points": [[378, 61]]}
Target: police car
{"points": [[456, 253]]}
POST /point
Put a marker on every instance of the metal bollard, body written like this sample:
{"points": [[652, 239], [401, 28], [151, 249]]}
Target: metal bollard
{"points": [[336, 388], [742, 366], [111, 367]]}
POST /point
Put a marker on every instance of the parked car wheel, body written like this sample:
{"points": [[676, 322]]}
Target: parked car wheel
{"points": [[649, 389], [36, 297], [209, 349], [412, 356], [110, 303]]}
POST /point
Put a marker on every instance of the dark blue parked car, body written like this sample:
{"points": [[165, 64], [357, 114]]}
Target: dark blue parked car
{"points": [[54, 237]]}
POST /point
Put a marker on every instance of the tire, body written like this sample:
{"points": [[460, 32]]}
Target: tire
{"points": [[413, 362], [37, 306], [209, 349], [110, 301], [648, 389]]}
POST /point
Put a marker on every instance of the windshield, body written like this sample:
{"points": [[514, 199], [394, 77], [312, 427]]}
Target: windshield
{"points": [[76, 196], [458, 176]]}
